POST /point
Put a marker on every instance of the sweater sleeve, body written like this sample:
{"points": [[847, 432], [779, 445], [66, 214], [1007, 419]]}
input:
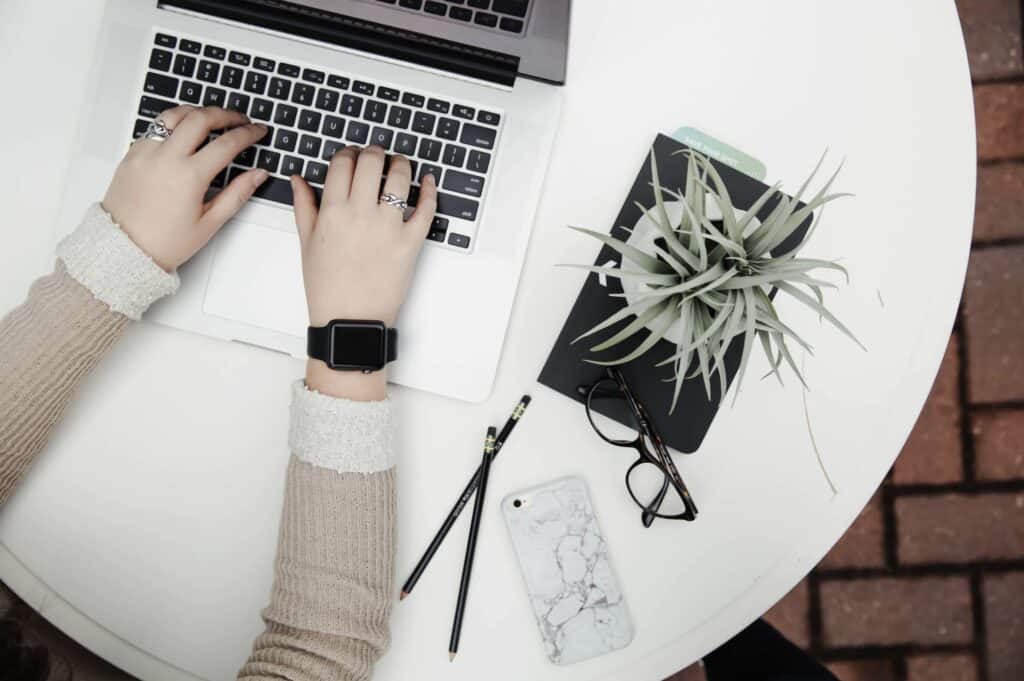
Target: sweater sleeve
{"points": [[69, 320], [334, 576]]}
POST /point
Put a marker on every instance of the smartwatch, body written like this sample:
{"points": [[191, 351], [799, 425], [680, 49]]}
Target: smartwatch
{"points": [[353, 345]]}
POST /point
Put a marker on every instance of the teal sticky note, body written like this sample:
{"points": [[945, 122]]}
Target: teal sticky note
{"points": [[721, 152]]}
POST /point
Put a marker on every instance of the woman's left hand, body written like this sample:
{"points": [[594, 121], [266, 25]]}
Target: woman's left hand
{"points": [[157, 194]]}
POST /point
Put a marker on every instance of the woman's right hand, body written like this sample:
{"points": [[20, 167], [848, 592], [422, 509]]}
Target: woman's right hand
{"points": [[358, 255]]}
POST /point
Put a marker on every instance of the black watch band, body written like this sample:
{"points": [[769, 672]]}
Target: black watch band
{"points": [[353, 344]]}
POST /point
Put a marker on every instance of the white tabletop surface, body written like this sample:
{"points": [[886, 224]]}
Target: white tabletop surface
{"points": [[147, 529]]}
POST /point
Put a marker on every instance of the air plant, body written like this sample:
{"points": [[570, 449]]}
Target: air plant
{"points": [[711, 283]]}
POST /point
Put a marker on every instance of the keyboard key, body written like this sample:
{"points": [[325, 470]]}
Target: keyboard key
{"points": [[448, 129], [405, 144], [208, 71], [285, 140], [411, 4], [285, 114], [190, 92], [479, 161], [327, 100], [438, 229], [466, 112], [160, 60], [412, 169], [438, 105], [362, 87], [430, 169], [460, 13], [511, 25], [264, 64], [423, 123], [333, 126], [387, 93], [240, 58], [339, 82], [247, 158], [330, 148], [351, 105], [255, 83], [157, 84], [303, 94], [464, 183], [375, 111], [460, 240], [357, 132], [290, 70], [190, 46], [313, 76], [215, 52], [292, 165], [262, 109], [480, 4], [309, 120], [398, 117], [151, 107], [315, 172], [165, 40], [231, 77], [185, 65], [434, 7], [268, 160], [382, 137], [238, 102], [430, 150], [454, 155], [488, 117], [478, 136], [310, 145], [140, 128], [457, 206], [275, 189], [214, 97], [486, 19], [279, 88], [413, 100], [516, 8]]}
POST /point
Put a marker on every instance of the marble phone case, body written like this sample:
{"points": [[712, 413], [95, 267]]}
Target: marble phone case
{"points": [[569, 580]]}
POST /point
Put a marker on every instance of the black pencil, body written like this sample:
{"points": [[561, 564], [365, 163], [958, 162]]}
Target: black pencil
{"points": [[461, 502], [474, 531]]}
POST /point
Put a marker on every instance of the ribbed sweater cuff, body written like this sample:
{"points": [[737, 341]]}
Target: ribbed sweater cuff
{"points": [[338, 434], [103, 259]]}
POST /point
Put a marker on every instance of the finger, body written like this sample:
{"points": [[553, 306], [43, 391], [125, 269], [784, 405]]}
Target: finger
{"points": [[339, 175], [196, 126], [426, 206], [306, 212], [170, 118], [231, 199], [216, 155], [366, 180], [399, 177]]}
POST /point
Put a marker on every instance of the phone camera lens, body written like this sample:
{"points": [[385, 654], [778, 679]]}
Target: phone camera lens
{"points": [[517, 503]]}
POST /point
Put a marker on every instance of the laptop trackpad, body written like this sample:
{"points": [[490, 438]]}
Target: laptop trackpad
{"points": [[257, 279]]}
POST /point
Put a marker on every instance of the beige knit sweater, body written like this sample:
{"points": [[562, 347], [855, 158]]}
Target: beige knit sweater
{"points": [[333, 577]]}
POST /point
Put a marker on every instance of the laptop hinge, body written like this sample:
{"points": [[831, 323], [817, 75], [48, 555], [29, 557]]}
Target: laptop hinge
{"points": [[362, 35]]}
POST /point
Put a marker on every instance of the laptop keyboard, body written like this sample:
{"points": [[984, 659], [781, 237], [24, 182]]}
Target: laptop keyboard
{"points": [[503, 16], [311, 113]]}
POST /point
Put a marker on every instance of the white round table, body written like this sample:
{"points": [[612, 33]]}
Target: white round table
{"points": [[147, 528]]}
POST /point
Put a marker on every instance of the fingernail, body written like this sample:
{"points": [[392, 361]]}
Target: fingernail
{"points": [[433, 180], [260, 176]]}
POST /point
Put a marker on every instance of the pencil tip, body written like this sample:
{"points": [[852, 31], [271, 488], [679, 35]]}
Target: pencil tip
{"points": [[402, 595], [451, 656]]}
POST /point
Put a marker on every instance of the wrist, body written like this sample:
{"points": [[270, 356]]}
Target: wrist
{"points": [[352, 385]]}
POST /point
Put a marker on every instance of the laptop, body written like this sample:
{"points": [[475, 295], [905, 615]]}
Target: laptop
{"points": [[467, 89]]}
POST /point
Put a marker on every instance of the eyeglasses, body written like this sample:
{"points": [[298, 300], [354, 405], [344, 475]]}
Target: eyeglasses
{"points": [[653, 481]]}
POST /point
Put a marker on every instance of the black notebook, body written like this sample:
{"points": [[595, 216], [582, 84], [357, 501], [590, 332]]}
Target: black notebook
{"points": [[566, 370]]}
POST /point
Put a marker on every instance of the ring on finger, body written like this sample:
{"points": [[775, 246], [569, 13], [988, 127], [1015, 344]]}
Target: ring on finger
{"points": [[393, 200], [157, 130]]}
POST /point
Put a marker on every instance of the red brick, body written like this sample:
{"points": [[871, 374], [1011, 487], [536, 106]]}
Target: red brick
{"points": [[999, 207], [861, 546], [999, 113], [695, 672], [960, 528], [999, 444], [789, 616], [959, 667], [893, 611], [1004, 626], [933, 452], [994, 319], [992, 31], [863, 670]]}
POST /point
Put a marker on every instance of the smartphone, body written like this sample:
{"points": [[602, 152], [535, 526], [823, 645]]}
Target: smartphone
{"points": [[565, 564]]}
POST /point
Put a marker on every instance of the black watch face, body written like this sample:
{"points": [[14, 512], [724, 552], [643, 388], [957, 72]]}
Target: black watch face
{"points": [[358, 345]]}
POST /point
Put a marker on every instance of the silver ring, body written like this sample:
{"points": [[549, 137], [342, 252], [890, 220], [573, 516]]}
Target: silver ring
{"points": [[393, 200], [157, 130]]}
